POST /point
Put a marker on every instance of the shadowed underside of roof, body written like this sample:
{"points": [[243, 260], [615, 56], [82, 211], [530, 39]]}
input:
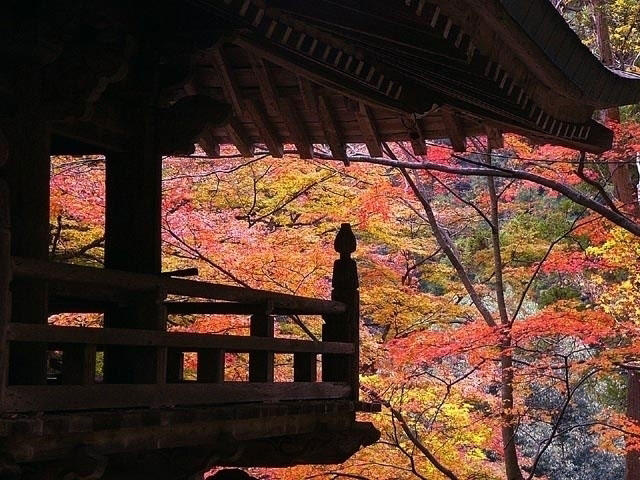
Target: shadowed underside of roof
{"points": [[349, 71]]}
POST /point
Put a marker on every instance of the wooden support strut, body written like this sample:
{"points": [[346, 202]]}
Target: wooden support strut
{"points": [[239, 137], [331, 129], [296, 128], [417, 140], [265, 127], [229, 82], [455, 129], [344, 327], [495, 140], [369, 130], [268, 89]]}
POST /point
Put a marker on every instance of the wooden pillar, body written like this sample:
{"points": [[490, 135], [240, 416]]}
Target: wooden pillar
{"points": [[210, 365], [261, 363], [133, 243], [305, 367], [344, 327], [79, 364], [28, 174], [133, 212], [175, 365], [5, 281]]}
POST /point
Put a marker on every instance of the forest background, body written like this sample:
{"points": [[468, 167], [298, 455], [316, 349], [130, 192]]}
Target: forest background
{"points": [[500, 288]]}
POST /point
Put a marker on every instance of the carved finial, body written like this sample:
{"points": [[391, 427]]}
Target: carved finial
{"points": [[345, 243]]}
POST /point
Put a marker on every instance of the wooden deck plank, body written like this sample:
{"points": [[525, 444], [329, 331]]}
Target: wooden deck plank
{"points": [[34, 398]]}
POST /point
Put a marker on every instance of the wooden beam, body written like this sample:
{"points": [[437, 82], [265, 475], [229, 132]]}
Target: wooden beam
{"points": [[101, 133], [209, 144], [296, 128], [331, 129], [324, 74], [69, 303], [268, 89], [265, 127], [415, 135], [225, 308], [70, 397], [309, 95], [239, 137], [136, 283], [154, 338], [455, 131], [495, 140], [369, 130], [231, 87]]}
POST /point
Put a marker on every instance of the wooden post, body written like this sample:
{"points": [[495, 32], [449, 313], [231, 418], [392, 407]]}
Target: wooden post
{"points": [[5, 281], [261, 363], [305, 367], [344, 327], [133, 243], [27, 174], [210, 365], [79, 364], [175, 365]]}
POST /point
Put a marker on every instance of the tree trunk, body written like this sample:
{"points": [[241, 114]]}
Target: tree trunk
{"points": [[625, 192], [633, 407], [511, 461], [625, 189]]}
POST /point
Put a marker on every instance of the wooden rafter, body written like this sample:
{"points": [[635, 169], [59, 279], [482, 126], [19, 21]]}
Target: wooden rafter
{"points": [[268, 89], [265, 127], [229, 82], [296, 128], [455, 130], [495, 138], [209, 144], [369, 130], [416, 136], [239, 137], [331, 129], [309, 96]]}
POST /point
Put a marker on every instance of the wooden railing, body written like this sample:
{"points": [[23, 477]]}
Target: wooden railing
{"points": [[83, 289]]}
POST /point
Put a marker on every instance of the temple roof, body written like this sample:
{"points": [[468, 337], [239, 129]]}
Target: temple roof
{"points": [[330, 72], [352, 71], [601, 86]]}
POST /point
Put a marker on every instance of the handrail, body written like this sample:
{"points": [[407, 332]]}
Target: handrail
{"points": [[119, 280], [182, 340], [145, 366]]}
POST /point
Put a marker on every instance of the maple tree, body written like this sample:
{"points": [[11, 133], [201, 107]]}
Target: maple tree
{"points": [[437, 348], [500, 289]]}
